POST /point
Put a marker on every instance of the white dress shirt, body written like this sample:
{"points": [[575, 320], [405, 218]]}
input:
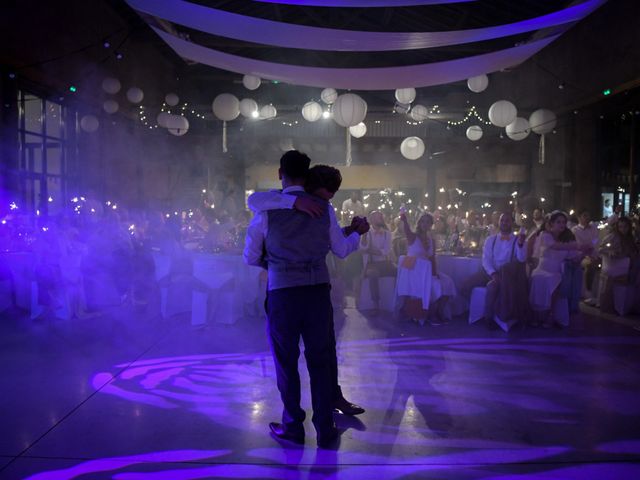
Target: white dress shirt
{"points": [[260, 202], [497, 252], [588, 235], [380, 240], [352, 208]]}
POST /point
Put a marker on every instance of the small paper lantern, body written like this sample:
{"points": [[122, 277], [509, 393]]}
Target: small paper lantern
{"points": [[268, 111], [478, 84], [329, 95], [162, 119], [89, 123], [111, 85], [405, 95], [518, 129], [110, 106], [312, 111], [349, 109], [412, 148], [177, 125], [502, 113], [419, 113], [474, 133], [358, 130], [251, 82], [248, 107], [226, 107], [171, 99], [135, 95], [543, 121]]}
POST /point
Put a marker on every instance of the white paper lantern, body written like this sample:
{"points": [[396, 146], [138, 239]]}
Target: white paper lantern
{"points": [[111, 85], [312, 111], [478, 84], [251, 82], [162, 119], [268, 111], [358, 130], [135, 95], [419, 113], [171, 99], [329, 95], [248, 107], [110, 106], [502, 113], [89, 123], [349, 109], [177, 125], [405, 95], [474, 133], [518, 129], [226, 107], [543, 121], [412, 148]]}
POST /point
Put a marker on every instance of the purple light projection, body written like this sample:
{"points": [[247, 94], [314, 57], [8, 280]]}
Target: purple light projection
{"points": [[288, 35]]}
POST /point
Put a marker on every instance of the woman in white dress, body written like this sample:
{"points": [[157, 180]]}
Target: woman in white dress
{"points": [[421, 245], [556, 244]]}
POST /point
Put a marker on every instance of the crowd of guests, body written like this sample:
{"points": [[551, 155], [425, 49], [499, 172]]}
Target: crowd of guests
{"points": [[99, 253]]}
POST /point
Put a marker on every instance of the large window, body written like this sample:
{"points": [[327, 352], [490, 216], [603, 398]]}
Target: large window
{"points": [[47, 149]]}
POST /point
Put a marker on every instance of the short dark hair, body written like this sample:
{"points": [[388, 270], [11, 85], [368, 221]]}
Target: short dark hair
{"points": [[294, 164], [323, 176]]}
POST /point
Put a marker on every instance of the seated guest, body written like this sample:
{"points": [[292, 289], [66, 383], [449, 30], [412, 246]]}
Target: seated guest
{"points": [[421, 245], [503, 259], [398, 240], [587, 236], [621, 259], [376, 247], [557, 244]]}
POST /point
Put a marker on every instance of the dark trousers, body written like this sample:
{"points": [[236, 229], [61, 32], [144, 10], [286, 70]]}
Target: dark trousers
{"points": [[305, 312]]}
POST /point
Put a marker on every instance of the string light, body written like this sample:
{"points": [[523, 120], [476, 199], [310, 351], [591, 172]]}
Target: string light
{"points": [[473, 112]]}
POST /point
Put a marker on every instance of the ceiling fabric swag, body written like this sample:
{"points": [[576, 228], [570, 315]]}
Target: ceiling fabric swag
{"points": [[289, 35], [385, 78]]}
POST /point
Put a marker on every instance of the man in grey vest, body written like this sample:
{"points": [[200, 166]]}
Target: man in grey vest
{"points": [[292, 246]]}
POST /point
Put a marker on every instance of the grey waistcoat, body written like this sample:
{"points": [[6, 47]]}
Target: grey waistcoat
{"points": [[296, 247]]}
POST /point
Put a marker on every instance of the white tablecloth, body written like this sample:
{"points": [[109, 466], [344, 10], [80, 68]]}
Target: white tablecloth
{"points": [[460, 269]]}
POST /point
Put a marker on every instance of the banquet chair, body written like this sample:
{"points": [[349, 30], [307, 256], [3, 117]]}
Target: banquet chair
{"points": [[477, 306], [387, 294]]}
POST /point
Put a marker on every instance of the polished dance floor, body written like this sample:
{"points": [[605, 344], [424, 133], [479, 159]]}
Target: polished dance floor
{"points": [[131, 396]]}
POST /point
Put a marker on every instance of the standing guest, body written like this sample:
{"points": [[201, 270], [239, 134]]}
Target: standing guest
{"points": [[494, 226], [322, 182], [607, 211], [352, 206], [503, 259], [421, 245], [621, 262], [398, 241], [376, 247], [538, 217], [556, 245], [587, 236], [439, 235]]}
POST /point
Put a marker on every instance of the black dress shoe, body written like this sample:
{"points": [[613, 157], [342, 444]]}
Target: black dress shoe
{"points": [[329, 439], [342, 405], [280, 431]]}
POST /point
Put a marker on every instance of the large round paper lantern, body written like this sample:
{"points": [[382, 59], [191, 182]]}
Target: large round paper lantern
{"points": [[518, 129], [162, 119], [251, 82], [110, 106], [89, 123], [171, 99], [474, 133], [349, 109], [111, 85], [226, 107], [502, 113], [419, 113], [329, 95], [405, 95], [478, 84], [358, 130], [543, 121], [135, 95], [248, 107], [177, 125], [268, 111], [312, 111], [412, 148]]}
